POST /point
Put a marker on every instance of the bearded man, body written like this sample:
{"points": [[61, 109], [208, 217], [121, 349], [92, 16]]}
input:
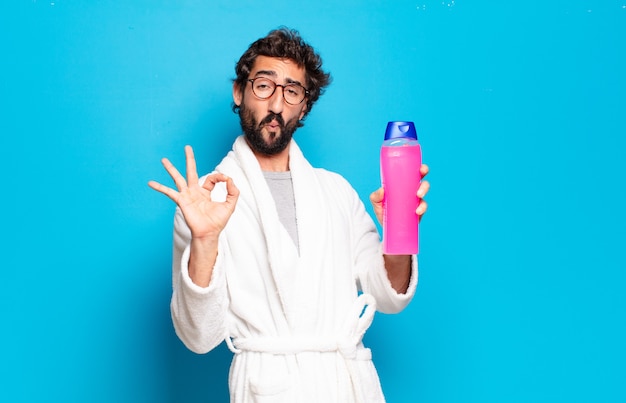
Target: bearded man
{"points": [[276, 257]]}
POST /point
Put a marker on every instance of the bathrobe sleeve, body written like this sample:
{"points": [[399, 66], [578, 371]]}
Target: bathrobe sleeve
{"points": [[198, 313], [369, 266]]}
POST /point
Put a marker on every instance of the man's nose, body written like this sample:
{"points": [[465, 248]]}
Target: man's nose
{"points": [[276, 101]]}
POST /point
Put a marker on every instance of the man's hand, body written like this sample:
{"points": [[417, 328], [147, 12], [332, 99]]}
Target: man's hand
{"points": [[205, 218], [399, 266], [377, 197]]}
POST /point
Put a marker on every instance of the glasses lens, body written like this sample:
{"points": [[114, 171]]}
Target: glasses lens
{"points": [[293, 93], [263, 88]]}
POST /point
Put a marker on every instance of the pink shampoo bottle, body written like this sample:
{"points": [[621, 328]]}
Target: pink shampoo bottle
{"points": [[400, 161]]}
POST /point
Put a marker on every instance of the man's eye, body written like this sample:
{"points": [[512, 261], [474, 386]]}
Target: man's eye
{"points": [[293, 90]]}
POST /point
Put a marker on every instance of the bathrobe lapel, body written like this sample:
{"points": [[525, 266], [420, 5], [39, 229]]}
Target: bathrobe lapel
{"points": [[296, 277], [316, 249]]}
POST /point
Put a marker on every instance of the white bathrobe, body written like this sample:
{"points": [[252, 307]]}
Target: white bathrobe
{"points": [[294, 318]]}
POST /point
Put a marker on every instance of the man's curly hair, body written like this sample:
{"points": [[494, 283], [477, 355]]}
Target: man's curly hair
{"points": [[285, 43]]}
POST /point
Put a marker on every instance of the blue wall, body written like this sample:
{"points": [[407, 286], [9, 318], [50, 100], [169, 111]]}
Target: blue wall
{"points": [[521, 111]]}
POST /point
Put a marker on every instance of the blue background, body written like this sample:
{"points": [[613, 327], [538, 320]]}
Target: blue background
{"points": [[520, 108]]}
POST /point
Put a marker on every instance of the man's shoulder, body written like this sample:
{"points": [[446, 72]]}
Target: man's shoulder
{"points": [[332, 178], [326, 174]]}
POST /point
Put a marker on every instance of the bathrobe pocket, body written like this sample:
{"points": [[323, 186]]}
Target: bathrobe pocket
{"points": [[273, 389]]}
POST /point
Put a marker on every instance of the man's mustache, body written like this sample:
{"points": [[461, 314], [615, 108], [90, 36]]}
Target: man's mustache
{"points": [[271, 117]]}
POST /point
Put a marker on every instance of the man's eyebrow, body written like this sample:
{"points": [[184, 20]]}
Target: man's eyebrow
{"points": [[291, 81], [272, 73], [265, 73]]}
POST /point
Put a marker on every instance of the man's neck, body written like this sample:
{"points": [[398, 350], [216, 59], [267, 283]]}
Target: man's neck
{"points": [[274, 163]]}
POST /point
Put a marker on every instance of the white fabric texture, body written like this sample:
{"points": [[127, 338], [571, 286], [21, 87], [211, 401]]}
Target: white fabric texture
{"points": [[294, 320]]}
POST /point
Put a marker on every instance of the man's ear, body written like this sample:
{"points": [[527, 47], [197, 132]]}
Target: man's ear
{"points": [[237, 94], [302, 112]]}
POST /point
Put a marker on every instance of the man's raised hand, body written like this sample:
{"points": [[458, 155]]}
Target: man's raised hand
{"points": [[205, 217]]}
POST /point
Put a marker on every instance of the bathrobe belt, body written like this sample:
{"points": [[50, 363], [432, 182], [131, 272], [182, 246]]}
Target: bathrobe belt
{"points": [[347, 342]]}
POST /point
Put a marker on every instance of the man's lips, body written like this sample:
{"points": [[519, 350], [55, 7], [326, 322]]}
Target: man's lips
{"points": [[273, 124]]}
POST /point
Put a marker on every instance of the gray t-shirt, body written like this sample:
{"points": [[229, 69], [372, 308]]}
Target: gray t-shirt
{"points": [[282, 190]]}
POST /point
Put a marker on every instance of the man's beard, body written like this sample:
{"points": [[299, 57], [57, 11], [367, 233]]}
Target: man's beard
{"points": [[252, 130]]}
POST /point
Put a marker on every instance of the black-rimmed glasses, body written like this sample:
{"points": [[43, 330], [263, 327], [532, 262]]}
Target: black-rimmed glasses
{"points": [[264, 88]]}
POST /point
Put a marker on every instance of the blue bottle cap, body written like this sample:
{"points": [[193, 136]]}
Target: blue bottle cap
{"points": [[397, 130]]}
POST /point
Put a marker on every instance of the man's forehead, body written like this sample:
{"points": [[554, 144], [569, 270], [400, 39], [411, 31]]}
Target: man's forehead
{"points": [[278, 67]]}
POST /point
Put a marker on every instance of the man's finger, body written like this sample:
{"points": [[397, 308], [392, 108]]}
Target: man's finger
{"points": [[232, 190], [423, 189], [167, 191], [192, 171], [377, 196], [421, 208], [213, 179], [179, 180]]}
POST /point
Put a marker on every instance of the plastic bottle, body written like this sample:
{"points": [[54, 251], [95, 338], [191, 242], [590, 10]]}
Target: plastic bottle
{"points": [[400, 161]]}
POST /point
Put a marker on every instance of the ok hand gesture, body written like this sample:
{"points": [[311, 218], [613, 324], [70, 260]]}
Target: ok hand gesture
{"points": [[205, 218]]}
